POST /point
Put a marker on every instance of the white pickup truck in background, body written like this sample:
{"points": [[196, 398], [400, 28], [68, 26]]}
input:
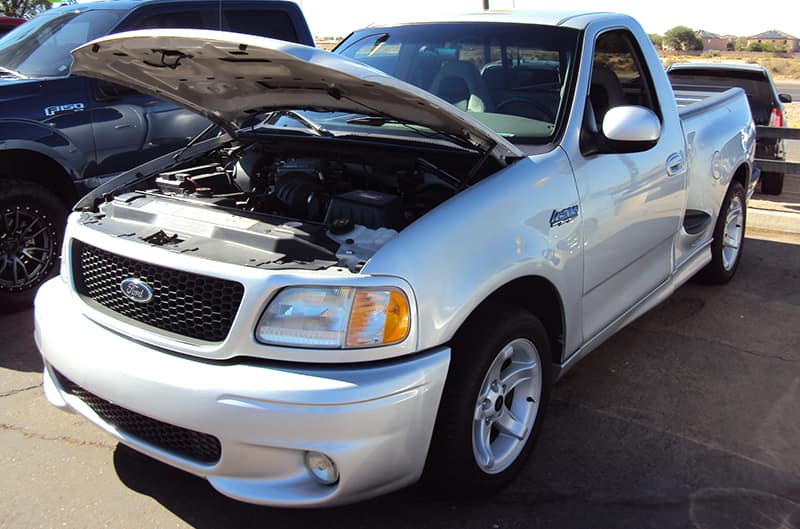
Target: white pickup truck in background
{"points": [[378, 278]]}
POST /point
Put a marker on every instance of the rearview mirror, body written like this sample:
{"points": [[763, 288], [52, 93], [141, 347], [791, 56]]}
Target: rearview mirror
{"points": [[634, 125], [785, 98]]}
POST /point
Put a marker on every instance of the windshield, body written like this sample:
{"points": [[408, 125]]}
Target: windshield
{"points": [[512, 77], [40, 47], [321, 123]]}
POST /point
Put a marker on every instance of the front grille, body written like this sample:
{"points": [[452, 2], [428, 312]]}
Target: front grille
{"points": [[196, 446], [184, 303]]}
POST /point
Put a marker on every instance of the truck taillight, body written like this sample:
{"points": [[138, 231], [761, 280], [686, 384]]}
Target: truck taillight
{"points": [[776, 118]]}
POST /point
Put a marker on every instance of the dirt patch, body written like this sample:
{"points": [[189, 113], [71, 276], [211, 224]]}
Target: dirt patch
{"points": [[792, 114], [783, 66]]}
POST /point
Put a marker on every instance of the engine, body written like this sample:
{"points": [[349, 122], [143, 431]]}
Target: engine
{"points": [[360, 205]]}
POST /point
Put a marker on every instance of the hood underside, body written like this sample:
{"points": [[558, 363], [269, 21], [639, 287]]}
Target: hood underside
{"points": [[228, 77]]}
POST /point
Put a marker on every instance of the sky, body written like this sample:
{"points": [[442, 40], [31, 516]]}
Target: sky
{"points": [[339, 17]]}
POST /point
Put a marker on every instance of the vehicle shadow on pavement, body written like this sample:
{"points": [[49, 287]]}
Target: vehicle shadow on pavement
{"points": [[17, 349], [688, 418], [590, 470]]}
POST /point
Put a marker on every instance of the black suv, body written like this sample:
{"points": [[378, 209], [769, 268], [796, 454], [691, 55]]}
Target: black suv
{"points": [[62, 135], [766, 104]]}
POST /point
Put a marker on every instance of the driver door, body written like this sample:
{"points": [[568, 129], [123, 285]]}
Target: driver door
{"points": [[632, 204]]}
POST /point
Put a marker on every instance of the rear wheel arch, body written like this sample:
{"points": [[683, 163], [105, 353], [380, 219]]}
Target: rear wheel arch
{"points": [[728, 240], [742, 175], [535, 295]]}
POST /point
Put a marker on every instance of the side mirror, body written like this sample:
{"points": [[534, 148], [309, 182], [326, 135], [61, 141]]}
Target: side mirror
{"points": [[785, 98], [631, 124], [628, 129]]}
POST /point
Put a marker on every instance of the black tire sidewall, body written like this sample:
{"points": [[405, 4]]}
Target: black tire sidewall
{"points": [[771, 183], [715, 272], [451, 468], [14, 193]]}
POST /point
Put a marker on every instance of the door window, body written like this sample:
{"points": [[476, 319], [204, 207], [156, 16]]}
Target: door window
{"points": [[158, 18], [619, 76], [175, 19], [273, 24]]}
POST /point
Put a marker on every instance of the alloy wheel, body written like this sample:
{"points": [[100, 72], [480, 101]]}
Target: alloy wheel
{"points": [[732, 233], [28, 247], [507, 406]]}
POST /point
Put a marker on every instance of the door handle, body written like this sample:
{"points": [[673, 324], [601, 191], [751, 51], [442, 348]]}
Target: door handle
{"points": [[123, 126], [674, 164]]}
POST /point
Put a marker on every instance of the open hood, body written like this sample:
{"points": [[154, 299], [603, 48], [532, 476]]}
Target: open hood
{"points": [[228, 77]]}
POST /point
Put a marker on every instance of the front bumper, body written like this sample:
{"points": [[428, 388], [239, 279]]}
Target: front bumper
{"points": [[374, 421]]}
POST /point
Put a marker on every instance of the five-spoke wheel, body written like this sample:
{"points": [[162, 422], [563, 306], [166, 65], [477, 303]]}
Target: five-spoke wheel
{"points": [[507, 405], [726, 247], [494, 399]]}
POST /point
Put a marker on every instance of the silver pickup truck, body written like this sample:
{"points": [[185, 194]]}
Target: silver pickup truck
{"points": [[379, 270]]}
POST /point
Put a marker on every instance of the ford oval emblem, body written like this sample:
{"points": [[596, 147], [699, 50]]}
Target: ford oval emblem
{"points": [[136, 290]]}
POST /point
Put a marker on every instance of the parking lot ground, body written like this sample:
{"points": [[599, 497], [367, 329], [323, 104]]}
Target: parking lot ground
{"points": [[779, 213], [687, 418]]}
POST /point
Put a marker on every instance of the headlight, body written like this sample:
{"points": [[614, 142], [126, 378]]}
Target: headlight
{"points": [[335, 317]]}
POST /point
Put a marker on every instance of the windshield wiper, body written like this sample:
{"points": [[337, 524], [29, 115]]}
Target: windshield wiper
{"points": [[12, 73], [375, 121], [379, 121], [313, 125]]}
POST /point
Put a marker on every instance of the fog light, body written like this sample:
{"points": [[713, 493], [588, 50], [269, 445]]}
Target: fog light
{"points": [[321, 468]]}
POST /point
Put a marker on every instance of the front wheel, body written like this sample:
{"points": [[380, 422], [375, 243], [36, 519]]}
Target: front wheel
{"points": [[726, 248], [494, 400], [31, 228]]}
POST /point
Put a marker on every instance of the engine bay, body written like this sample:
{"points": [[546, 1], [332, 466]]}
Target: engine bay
{"points": [[336, 206]]}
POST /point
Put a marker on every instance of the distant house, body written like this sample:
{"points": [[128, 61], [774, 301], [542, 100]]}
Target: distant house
{"points": [[712, 41], [776, 38]]}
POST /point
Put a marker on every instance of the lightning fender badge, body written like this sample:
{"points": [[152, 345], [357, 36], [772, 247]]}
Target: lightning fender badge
{"points": [[557, 218]]}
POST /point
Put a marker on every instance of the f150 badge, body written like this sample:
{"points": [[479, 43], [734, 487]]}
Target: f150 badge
{"points": [[60, 109], [557, 218]]}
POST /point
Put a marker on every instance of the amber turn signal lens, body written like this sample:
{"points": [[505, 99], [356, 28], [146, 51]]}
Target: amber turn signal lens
{"points": [[378, 317]]}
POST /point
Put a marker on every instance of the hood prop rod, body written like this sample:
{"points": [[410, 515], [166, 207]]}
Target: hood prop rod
{"points": [[475, 168]]}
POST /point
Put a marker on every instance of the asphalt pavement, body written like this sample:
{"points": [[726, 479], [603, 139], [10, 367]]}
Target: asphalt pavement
{"points": [[687, 418], [789, 87]]}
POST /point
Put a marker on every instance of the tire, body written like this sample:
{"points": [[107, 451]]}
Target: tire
{"points": [[465, 460], [728, 243], [32, 221], [771, 183]]}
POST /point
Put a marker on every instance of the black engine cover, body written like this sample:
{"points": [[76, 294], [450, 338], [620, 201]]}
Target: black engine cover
{"points": [[372, 209]]}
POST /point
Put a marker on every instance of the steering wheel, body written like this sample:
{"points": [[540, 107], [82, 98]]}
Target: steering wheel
{"points": [[543, 111]]}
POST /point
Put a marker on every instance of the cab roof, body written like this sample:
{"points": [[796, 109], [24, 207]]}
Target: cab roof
{"points": [[129, 5], [573, 19]]}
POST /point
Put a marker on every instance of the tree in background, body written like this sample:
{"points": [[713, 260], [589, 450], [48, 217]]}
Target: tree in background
{"points": [[759, 46], [656, 39], [741, 44], [682, 38], [23, 8]]}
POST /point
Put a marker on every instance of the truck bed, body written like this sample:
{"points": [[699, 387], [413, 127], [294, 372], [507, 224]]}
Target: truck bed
{"points": [[693, 102]]}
